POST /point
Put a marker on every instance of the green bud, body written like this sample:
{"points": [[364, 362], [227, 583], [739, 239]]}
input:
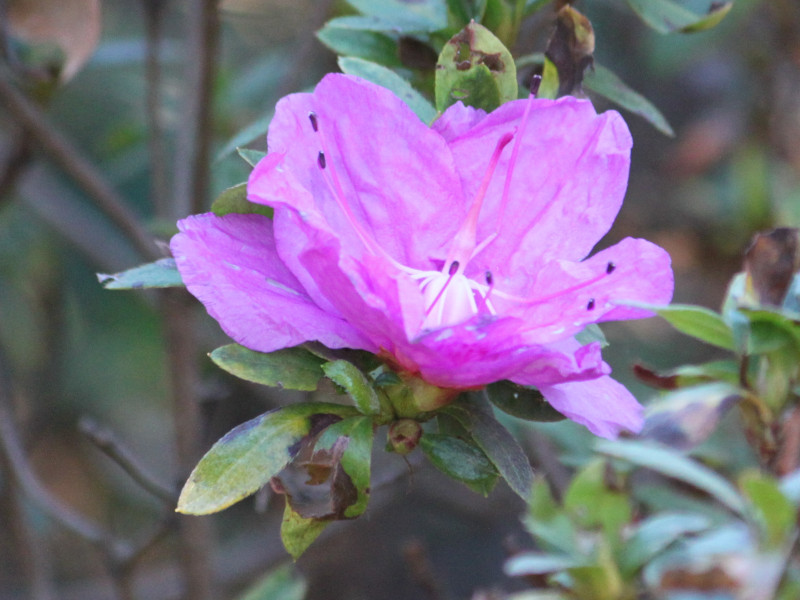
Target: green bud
{"points": [[404, 436]]}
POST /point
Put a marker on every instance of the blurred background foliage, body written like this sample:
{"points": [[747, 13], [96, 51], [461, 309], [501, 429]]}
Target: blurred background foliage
{"points": [[72, 351]]}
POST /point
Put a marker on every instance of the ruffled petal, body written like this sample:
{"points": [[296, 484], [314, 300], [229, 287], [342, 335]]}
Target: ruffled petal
{"points": [[457, 120], [566, 188], [230, 264], [383, 166], [603, 405]]}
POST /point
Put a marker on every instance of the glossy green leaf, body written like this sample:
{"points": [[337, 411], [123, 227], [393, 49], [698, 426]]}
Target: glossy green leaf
{"points": [[387, 78], [774, 512], [496, 442], [369, 45], [672, 464], [522, 402], [665, 16], [686, 417], [605, 82], [594, 505], [346, 375], [655, 534], [539, 563], [461, 461], [234, 200], [159, 274], [281, 584], [696, 321], [248, 456], [291, 368], [298, 533], [475, 68], [357, 456]]}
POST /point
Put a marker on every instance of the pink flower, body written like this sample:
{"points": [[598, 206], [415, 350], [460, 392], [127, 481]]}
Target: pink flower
{"points": [[457, 252]]}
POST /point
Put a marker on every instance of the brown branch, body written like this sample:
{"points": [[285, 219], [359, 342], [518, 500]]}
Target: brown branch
{"points": [[787, 458], [68, 157], [106, 441], [194, 135]]}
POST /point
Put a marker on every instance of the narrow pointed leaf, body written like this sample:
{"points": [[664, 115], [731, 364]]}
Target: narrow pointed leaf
{"points": [[292, 368], [369, 45], [234, 201], [281, 583], [605, 82], [696, 321], [298, 533], [666, 16], [248, 456], [675, 465], [159, 274], [460, 460]]}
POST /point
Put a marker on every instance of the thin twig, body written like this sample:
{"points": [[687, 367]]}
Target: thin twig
{"points": [[787, 458], [70, 159], [194, 135], [106, 441]]}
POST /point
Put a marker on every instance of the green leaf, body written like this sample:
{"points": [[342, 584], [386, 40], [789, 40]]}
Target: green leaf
{"points": [[655, 534], [461, 461], [548, 523], [248, 456], [250, 156], [774, 512], [357, 456], [475, 68], [403, 16], [667, 17], [496, 442], [248, 133], [369, 45], [234, 200], [291, 368], [159, 274], [280, 583], [686, 417], [392, 81], [298, 533], [674, 465], [605, 82], [538, 563], [522, 402], [594, 505], [346, 375], [696, 321]]}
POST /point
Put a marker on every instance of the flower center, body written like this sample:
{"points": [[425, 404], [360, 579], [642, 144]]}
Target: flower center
{"points": [[452, 298]]}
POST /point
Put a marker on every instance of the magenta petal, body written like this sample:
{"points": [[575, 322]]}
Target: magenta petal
{"points": [[567, 186], [457, 120], [230, 264], [603, 405], [384, 166]]}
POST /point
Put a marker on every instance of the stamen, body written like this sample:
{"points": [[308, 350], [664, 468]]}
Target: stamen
{"points": [[321, 160], [536, 81], [464, 242], [444, 288], [453, 268], [610, 268], [490, 283], [590, 305], [489, 278], [312, 116]]}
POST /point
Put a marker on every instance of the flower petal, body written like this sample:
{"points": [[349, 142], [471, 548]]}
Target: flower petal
{"points": [[230, 264], [383, 166], [603, 405], [457, 120], [566, 188]]}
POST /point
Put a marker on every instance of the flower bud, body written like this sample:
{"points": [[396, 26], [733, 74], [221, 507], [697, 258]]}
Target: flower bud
{"points": [[414, 396], [404, 435]]}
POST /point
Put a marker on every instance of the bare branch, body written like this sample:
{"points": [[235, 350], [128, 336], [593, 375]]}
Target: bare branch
{"points": [[70, 159]]}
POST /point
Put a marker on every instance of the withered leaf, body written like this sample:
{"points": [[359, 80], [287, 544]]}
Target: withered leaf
{"points": [[571, 49], [771, 262]]}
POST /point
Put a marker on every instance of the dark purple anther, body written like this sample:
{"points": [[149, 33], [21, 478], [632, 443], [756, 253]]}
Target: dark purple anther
{"points": [[321, 161], [453, 268], [590, 305], [536, 81], [610, 268], [312, 116], [489, 278]]}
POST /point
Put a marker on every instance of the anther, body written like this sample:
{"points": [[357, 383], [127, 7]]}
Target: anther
{"points": [[590, 304], [312, 116], [489, 278], [453, 268], [610, 268], [321, 161], [536, 81]]}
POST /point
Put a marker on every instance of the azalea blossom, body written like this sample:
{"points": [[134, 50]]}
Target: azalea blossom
{"points": [[458, 252]]}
